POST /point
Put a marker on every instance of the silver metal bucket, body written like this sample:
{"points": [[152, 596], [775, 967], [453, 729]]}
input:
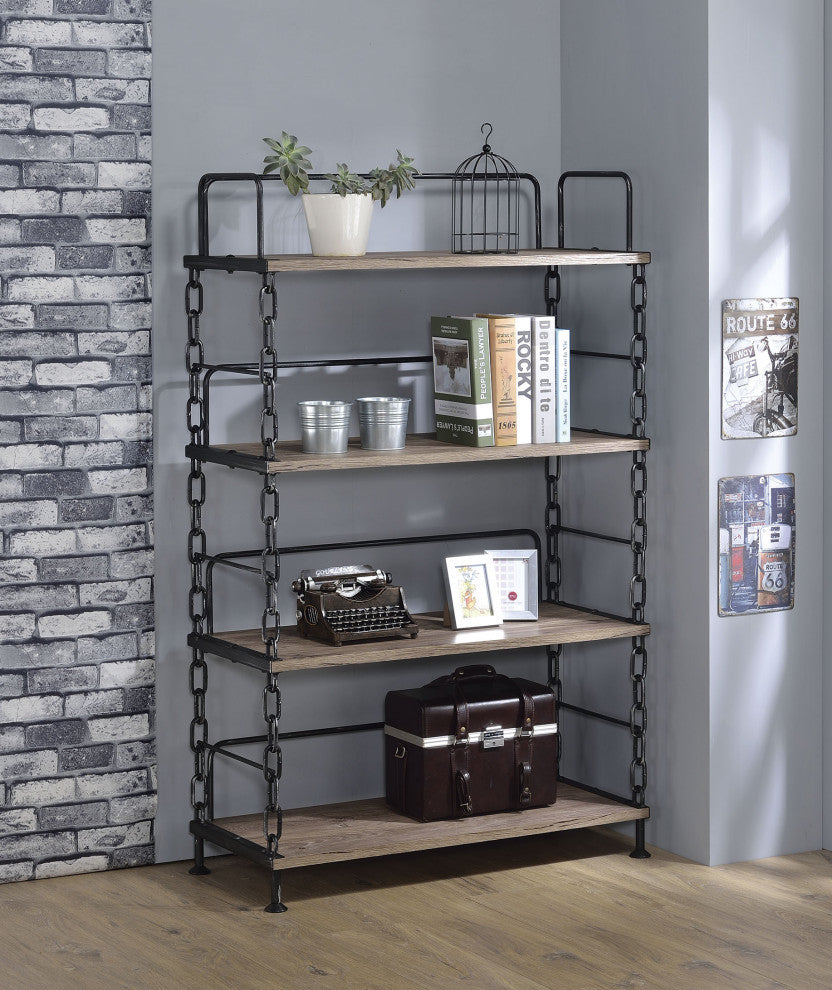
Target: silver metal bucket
{"points": [[324, 426], [382, 422]]}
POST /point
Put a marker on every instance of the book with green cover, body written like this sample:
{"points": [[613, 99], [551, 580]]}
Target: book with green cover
{"points": [[462, 380]]}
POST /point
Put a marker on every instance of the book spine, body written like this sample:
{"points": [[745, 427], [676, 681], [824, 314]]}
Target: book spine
{"points": [[504, 379], [543, 381], [524, 365], [462, 381], [482, 383], [564, 387]]}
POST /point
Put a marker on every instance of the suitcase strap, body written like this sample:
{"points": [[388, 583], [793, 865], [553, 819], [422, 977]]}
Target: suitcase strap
{"points": [[523, 753], [460, 773], [523, 743], [400, 776]]}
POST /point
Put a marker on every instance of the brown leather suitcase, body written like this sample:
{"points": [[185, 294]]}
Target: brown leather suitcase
{"points": [[470, 743]]}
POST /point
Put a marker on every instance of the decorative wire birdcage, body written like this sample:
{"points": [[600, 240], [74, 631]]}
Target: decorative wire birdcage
{"points": [[486, 203]]}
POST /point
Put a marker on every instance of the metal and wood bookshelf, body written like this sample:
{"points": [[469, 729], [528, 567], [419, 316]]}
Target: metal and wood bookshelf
{"points": [[283, 840]]}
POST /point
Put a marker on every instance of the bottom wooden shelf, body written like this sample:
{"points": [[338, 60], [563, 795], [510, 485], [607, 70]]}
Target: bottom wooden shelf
{"points": [[360, 829]]}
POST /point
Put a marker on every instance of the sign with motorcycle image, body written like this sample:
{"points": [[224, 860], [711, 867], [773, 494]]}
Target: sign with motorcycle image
{"points": [[759, 367]]}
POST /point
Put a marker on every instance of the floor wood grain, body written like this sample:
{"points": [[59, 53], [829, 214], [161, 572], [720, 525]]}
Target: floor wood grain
{"points": [[569, 911]]}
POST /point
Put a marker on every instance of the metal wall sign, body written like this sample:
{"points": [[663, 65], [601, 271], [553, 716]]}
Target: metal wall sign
{"points": [[759, 367], [756, 543]]}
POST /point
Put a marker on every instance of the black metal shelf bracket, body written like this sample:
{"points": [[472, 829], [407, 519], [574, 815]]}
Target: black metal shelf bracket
{"points": [[259, 182], [235, 558]]}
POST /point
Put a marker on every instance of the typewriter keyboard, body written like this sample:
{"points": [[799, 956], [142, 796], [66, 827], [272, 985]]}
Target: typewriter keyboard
{"points": [[361, 620]]}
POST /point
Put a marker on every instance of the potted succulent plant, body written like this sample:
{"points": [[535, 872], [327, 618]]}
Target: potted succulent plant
{"points": [[338, 221]]}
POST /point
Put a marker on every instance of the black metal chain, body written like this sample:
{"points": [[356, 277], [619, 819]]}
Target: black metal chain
{"points": [[270, 568], [269, 497], [554, 654], [638, 537], [268, 365], [272, 765], [552, 296], [552, 573], [552, 567], [198, 595]]}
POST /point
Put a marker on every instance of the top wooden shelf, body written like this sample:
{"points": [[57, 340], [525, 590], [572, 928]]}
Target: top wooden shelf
{"points": [[414, 260]]}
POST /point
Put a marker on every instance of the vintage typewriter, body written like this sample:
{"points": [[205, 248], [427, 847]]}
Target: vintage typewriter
{"points": [[348, 604]]}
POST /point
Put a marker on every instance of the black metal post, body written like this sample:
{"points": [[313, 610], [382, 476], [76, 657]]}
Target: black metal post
{"points": [[276, 905], [199, 868], [640, 852]]}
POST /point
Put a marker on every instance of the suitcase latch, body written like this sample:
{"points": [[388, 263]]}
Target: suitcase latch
{"points": [[492, 737]]}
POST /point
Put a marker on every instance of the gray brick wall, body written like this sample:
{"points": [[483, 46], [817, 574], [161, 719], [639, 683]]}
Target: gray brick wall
{"points": [[77, 754]]}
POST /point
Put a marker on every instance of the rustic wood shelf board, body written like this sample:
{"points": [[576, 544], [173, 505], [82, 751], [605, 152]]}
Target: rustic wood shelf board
{"points": [[420, 448], [360, 829], [415, 260], [556, 624]]}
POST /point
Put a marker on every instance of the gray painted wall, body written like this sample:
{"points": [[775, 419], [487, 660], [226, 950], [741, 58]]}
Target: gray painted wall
{"points": [[422, 78], [827, 426], [635, 98], [673, 94], [766, 239], [644, 86]]}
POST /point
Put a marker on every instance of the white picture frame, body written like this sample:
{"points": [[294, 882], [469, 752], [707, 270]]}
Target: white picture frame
{"points": [[471, 589], [515, 577]]}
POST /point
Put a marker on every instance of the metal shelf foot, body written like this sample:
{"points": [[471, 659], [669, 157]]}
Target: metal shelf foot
{"points": [[276, 905], [640, 852], [199, 868]]}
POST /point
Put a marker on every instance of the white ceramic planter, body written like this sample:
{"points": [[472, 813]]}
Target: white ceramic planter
{"points": [[339, 226]]}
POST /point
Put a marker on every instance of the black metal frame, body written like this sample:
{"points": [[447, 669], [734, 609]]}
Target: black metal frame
{"points": [[637, 356], [266, 370], [257, 263], [232, 558], [251, 369]]}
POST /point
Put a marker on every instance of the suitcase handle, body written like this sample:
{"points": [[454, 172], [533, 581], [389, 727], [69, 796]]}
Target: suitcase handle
{"points": [[469, 672], [474, 670], [461, 674], [466, 673]]}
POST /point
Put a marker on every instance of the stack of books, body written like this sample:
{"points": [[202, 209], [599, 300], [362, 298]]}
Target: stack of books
{"points": [[500, 380]]}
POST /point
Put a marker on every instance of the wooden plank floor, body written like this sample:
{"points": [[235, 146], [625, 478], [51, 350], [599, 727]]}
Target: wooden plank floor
{"points": [[565, 911]]}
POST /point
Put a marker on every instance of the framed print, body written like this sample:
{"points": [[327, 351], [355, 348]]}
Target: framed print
{"points": [[515, 572], [472, 592]]}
